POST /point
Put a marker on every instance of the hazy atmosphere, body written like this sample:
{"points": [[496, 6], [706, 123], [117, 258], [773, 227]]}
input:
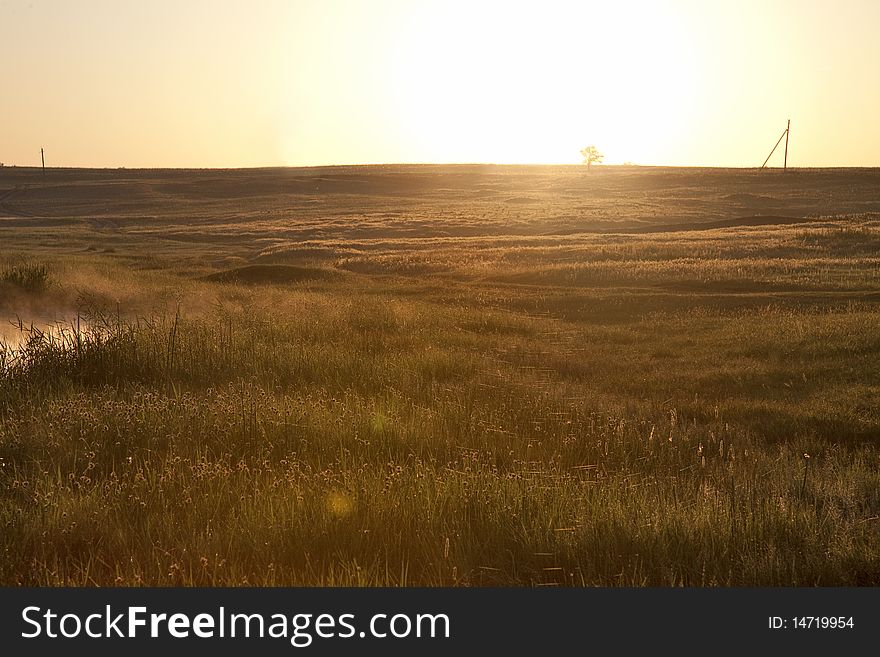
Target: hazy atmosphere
{"points": [[102, 83], [344, 294]]}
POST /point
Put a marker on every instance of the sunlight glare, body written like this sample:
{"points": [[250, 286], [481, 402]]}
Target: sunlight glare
{"points": [[508, 83]]}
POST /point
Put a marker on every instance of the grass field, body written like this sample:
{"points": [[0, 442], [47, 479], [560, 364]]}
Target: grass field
{"points": [[445, 376]]}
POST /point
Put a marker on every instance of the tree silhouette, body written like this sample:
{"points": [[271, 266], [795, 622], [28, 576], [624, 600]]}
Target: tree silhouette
{"points": [[591, 154]]}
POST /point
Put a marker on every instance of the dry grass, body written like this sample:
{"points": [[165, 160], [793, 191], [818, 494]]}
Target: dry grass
{"points": [[584, 409]]}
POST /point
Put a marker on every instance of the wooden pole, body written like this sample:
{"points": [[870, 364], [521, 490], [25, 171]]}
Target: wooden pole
{"points": [[787, 129], [774, 149], [43, 158]]}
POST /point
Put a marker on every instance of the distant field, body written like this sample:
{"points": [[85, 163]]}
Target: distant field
{"points": [[446, 376]]}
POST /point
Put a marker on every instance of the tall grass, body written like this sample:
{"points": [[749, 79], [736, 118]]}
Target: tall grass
{"points": [[28, 276], [351, 435]]}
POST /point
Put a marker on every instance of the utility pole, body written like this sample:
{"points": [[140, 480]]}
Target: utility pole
{"points": [[787, 130], [779, 141], [43, 158]]}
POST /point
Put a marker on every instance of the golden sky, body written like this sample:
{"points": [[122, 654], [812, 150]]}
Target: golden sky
{"points": [[217, 83]]}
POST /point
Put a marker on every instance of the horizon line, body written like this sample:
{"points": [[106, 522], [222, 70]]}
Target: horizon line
{"points": [[426, 164]]}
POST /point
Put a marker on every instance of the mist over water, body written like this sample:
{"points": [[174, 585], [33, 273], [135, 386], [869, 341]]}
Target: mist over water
{"points": [[16, 331]]}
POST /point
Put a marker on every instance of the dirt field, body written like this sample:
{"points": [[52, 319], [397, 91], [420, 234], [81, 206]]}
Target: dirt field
{"points": [[440, 375]]}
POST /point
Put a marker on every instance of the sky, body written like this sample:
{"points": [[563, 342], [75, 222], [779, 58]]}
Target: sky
{"points": [[242, 83]]}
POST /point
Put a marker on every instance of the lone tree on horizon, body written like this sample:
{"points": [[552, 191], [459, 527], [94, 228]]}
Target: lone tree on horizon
{"points": [[591, 154]]}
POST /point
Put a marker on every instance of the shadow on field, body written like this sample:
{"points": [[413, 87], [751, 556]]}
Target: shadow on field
{"points": [[736, 222], [272, 275]]}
